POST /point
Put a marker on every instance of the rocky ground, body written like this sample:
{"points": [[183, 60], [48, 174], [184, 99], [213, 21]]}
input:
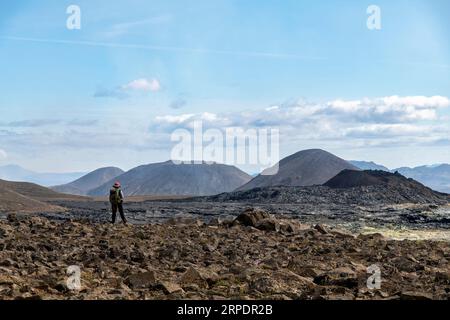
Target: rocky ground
{"points": [[255, 256], [353, 217]]}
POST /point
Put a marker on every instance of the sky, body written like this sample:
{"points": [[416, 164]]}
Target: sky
{"points": [[112, 92]]}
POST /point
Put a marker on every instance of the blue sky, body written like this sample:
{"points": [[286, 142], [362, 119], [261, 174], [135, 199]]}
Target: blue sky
{"points": [[77, 99]]}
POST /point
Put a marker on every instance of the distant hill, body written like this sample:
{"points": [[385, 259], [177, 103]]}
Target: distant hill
{"points": [[28, 198], [305, 168], [436, 177], [392, 182], [17, 173], [168, 178], [365, 165], [87, 183]]}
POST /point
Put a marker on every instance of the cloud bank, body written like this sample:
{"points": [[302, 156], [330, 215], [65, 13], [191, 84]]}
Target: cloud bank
{"points": [[377, 121], [125, 91]]}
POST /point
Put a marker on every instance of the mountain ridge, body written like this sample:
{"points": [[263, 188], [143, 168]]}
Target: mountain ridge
{"points": [[90, 181], [169, 178], [304, 168]]}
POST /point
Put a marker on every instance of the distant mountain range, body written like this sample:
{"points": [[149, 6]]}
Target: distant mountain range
{"points": [[365, 165], [168, 178], [84, 185], [436, 177], [19, 174], [305, 168]]}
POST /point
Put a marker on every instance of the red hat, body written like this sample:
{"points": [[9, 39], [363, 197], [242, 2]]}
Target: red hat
{"points": [[117, 184]]}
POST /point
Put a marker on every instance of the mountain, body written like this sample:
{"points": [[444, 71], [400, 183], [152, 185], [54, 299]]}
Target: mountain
{"points": [[436, 177], [391, 182], [305, 168], [28, 198], [365, 165], [17, 173], [92, 180], [168, 178]]}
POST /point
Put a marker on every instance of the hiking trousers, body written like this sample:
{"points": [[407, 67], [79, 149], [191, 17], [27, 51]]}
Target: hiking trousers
{"points": [[115, 207]]}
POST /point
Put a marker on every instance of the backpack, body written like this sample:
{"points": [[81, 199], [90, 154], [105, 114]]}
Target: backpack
{"points": [[114, 196]]}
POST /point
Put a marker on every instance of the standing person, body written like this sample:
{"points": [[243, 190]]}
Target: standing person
{"points": [[116, 198]]}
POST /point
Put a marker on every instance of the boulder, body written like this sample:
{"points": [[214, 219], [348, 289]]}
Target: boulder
{"points": [[201, 277], [170, 287], [286, 228], [141, 280], [267, 225], [193, 276], [258, 219], [251, 217]]}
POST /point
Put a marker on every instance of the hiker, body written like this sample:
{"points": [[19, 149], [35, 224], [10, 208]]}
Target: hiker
{"points": [[116, 199]]}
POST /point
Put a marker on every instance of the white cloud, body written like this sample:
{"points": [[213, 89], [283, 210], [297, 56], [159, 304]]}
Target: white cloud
{"points": [[346, 106], [390, 109], [183, 118], [125, 91], [206, 116], [143, 84], [417, 102], [273, 108]]}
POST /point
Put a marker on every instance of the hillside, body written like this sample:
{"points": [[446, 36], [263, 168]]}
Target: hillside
{"points": [[305, 168], [168, 178], [28, 197], [92, 180]]}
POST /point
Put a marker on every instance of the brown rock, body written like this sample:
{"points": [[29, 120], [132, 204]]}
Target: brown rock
{"points": [[251, 217], [170, 287], [267, 225], [321, 228], [286, 227], [193, 276], [141, 280]]}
